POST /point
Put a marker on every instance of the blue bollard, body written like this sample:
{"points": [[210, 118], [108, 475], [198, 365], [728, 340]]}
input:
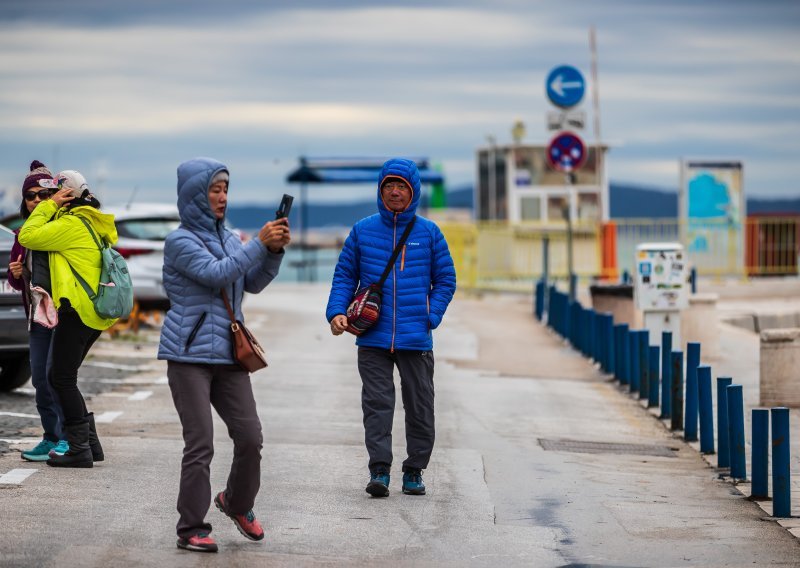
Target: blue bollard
{"points": [[619, 329], [676, 390], [566, 309], [593, 339], [693, 279], [736, 430], [759, 462], [539, 300], [666, 374], [644, 364], [654, 361], [609, 353], [781, 476], [723, 431], [706, 409], [692, 394], [626, 355], [633, 350]]}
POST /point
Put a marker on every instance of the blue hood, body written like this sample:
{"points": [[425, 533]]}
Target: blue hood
{"points": [[406, 170], [194, 177]]}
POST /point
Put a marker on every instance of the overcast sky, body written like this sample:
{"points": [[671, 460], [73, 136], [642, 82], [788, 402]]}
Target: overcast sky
{"points": [[126, 91]]}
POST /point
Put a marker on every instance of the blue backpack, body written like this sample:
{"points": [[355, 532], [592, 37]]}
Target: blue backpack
{"points": [[114, 296]]}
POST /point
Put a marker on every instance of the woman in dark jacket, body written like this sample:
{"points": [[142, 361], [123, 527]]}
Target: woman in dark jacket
{"points": [[29, 272]]}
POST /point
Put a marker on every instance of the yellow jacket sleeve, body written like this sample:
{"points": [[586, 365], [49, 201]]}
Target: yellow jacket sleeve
{"points": [[38, 234]]}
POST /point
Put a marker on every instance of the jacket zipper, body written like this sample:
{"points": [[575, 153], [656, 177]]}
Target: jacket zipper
{"points": [[403, 259], [194, 331], [394, 285]]}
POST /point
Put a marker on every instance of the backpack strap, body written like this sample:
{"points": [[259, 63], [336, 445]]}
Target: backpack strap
{"points": [[396, 252], [88, 289]]}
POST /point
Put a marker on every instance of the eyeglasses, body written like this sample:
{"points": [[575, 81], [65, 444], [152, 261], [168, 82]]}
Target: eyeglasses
{"points": [[41, 194], [399, 186]]}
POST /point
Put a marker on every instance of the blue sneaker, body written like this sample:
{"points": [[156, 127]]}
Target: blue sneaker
{"points": [[378, 485], [40, 452], [412, 482], [60, 449]]}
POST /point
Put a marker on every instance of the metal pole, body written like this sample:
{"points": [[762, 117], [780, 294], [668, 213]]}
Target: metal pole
{"points": [[760, 454], [723, 429], [570, 269], [736, 429], [303, 227], [690, 420], [654, 361], [706, 409], [619, 357], [644, 364], [635, 375], [625, 351], [677, 390], [666, 374], [781, 476]]}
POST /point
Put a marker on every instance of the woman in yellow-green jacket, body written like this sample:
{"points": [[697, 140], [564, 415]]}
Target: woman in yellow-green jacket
{"points": [[57, 226]]}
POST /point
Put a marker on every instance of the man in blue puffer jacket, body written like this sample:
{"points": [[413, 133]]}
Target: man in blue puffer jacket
{"points": [[202, 258], [415, 296]]}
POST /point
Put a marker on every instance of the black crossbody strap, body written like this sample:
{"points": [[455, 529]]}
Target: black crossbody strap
{"points": [[396, 252]]}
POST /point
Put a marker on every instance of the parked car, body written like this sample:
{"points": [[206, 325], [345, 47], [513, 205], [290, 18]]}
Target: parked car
{"points": [[15, 367], [142, 229]]}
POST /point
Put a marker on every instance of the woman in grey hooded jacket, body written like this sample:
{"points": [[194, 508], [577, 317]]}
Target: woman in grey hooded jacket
{"points": [[202, 258]]}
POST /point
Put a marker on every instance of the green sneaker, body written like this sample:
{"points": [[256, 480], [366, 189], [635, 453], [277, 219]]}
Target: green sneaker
{"points": [[60, 449], [40, 452]]}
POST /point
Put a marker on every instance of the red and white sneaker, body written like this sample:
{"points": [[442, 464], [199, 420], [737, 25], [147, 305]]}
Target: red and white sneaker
{"points": [[201, 542], [247, 524]]}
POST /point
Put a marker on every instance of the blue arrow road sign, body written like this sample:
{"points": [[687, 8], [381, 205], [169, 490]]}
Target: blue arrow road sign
{"points": [[565, 86], [566, 152]]}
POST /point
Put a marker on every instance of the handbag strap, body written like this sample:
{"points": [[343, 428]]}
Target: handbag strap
{"points": [[396, 252]]}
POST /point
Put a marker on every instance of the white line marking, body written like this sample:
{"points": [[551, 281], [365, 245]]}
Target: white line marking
{"points": [[160, 381], [140, 395], [103, 365], [25, 391], [19, 415], [107, 417], [104, 381], [16, 476], [20, 440]]}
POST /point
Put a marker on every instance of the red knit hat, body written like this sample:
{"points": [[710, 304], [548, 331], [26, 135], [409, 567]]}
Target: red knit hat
{"points": [[38, 172]]}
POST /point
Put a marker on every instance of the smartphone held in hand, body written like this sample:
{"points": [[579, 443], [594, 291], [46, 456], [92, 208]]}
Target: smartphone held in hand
{"points": [[285, 207]]}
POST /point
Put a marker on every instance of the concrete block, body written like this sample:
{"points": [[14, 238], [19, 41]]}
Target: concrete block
{"points": [[784, 320], [700, 322], [779, 377], [744, 321]]}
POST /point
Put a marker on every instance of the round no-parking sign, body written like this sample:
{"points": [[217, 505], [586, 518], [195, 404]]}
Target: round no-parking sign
{"points": [[566, 152]]}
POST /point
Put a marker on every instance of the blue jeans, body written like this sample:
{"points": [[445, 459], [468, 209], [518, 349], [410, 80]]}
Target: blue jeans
{"points": [[46, 400]]}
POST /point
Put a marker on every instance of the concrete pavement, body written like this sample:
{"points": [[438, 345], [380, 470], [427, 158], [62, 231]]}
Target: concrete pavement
{"points": [[496, 497]]}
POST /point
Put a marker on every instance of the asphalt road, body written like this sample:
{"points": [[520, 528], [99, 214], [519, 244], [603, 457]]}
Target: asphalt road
{"points": [[496, 496]]}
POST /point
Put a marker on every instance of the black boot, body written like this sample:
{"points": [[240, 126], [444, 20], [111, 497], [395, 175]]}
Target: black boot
{"points": [[94, 441], [79, 454]]}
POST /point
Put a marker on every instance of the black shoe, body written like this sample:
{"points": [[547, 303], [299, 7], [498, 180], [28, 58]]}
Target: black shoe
{"points": [[378, 485], [94, 441], [79, 454]]}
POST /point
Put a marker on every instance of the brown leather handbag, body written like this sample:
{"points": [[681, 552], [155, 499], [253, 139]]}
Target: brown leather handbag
{"points": [[247, 351]]}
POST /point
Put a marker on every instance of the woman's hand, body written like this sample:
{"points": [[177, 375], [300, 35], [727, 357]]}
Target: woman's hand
{"points": [[62, 196], [338, 324], [275, 234], [15, 267]]}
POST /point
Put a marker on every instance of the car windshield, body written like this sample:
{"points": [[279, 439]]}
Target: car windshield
{"points": [[6, 238], [147, 229]]}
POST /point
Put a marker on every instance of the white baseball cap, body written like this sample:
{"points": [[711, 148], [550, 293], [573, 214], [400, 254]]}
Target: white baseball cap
{"points": [[71, 179]]}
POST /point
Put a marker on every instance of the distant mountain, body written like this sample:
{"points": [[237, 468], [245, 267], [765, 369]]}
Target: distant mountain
{"points": [[627, 201]]}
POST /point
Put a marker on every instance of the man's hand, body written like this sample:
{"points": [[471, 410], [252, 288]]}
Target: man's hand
{"points": [[275, 234], [338, 324], [15, 267], [62, 196]]}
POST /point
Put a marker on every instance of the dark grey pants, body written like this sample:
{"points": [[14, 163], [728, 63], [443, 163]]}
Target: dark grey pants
{"points": [[195, 389], [376, 367]]}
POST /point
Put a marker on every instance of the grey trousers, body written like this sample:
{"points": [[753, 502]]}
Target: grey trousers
{"points": [[376, 367], [195, 389]]}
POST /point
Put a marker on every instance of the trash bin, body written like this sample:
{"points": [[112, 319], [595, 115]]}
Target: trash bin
{"points": [[616, 299]]}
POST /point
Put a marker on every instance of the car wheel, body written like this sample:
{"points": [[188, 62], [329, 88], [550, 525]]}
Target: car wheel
{"points": [[14, 373]]}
